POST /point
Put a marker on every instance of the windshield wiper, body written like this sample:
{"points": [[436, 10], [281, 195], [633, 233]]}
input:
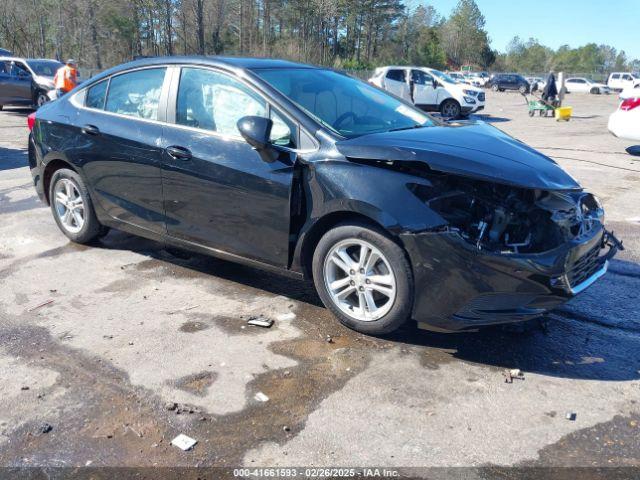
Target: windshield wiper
{"points": [[417, 125]]}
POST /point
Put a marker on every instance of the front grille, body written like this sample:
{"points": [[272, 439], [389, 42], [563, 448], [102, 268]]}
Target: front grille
{"points": [[584, 267], [481, 96]]}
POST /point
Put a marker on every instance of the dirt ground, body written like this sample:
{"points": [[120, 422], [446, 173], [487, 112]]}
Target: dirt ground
{"points": [[108, 352]]}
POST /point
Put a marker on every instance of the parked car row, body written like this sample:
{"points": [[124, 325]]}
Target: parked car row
{"points": [[430, 90]]}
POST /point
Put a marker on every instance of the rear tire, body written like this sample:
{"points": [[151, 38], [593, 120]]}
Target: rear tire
{"points": [[72, 207], [373, 295]]}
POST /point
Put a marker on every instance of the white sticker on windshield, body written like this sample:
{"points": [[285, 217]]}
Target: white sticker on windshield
{"points": [[412, 114]]}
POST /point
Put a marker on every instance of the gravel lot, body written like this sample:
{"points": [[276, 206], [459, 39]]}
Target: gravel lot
{"points": [[132, 329]]}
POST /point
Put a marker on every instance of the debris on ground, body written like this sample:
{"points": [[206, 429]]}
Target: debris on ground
{"points": [[35, 307], [171, 406], [260, 321], [286, 317], [511, 374], [571, 416], [184, 309], [45, 428], [183, 442], [329, 339], [261, 397], [24, 388], [286, 428]]}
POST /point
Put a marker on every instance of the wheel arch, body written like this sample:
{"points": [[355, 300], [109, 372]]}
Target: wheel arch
{"points": [[310, 239], [50, 168]]}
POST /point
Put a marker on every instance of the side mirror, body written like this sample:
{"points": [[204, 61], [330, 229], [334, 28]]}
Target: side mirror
{"points": [[435, 84], [256, 131]]}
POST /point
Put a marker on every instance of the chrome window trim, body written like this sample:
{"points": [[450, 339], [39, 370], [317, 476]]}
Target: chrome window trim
{"points": [[172, 74]]}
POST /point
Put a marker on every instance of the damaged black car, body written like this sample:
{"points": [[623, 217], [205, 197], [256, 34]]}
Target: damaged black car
{"points": [[392, 213]]}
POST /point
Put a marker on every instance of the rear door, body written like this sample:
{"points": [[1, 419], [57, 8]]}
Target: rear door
{"points": [[120, 150], [395, 81], [218, 190]]}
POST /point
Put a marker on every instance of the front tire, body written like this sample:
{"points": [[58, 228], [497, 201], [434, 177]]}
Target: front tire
{"points": [[450, 109], [523, 89], [595, 91], [40, 99], [72, 207], [364, 278], [495, 88]]}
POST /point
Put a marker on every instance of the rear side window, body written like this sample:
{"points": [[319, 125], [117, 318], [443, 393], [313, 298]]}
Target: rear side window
{"points": [[615, 76], [136, 94], [215, 101], [96, 95], [397, 75]]}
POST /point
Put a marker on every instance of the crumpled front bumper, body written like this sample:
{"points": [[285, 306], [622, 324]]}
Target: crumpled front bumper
{"points": [[459, 287]]}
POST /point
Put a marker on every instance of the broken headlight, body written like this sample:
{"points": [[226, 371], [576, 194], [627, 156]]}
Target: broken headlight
{"points": [[506, 219]]}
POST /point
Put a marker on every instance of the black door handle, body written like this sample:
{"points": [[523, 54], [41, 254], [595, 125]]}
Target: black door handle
{"points": [[91, 130], [179, 153]]}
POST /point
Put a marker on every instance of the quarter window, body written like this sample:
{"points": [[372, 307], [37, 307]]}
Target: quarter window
{"points": [[136, 94], [96, 95], [214, 101]]}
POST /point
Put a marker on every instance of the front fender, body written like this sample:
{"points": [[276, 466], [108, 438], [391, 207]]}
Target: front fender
{"points": [[382, 195]]}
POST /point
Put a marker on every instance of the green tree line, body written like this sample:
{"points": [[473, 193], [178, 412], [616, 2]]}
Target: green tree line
{"points": [[341, 33]]}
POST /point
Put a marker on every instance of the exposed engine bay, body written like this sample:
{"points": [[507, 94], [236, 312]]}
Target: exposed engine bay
{"points": [[504, 219]]}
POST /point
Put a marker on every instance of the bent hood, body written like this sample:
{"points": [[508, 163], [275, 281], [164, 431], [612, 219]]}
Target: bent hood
{"points": [[473, 149]]}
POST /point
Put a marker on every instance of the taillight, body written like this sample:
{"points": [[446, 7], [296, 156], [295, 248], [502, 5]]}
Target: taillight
{"points": [[630, 104], [31, 120]]}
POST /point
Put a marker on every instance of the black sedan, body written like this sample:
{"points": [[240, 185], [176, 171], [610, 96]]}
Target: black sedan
{"points": [[393, 214]]}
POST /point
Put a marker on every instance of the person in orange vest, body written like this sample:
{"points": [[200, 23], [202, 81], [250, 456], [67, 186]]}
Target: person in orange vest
{"points": [[66, 78]]}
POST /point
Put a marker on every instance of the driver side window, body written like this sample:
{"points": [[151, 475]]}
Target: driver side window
{"points": [[214, 101]]}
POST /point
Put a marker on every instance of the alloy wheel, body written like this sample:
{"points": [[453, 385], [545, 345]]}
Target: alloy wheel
{"points": [[69, 205], [41, 100], [359, 280], [450, 110]]}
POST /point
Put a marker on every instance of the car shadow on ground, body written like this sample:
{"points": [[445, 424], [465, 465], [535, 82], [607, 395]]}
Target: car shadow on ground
{"points": [[11, 158], [634, 150], [490, 118], [565, 343]]}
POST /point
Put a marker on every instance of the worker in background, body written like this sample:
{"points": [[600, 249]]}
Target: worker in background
{"points": [[66, 78], [550, 90]]}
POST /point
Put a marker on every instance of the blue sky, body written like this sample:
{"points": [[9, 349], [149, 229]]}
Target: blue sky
{"points": [[557, 22]]}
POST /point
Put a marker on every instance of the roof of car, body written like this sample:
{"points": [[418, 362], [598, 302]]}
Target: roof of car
{"points": [[242, 63], [235, 62], [23, 59]]}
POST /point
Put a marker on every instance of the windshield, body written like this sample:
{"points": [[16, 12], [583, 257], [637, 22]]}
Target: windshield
{"points": [[44, 68], [443, 76], [343, 104]]}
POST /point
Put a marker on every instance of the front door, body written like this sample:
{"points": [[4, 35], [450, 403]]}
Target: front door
{"points": [[424, 93], [218, 191]]}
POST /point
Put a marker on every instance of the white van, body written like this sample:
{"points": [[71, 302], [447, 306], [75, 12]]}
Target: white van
{"points": [[621, 80], [430, 90]]}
